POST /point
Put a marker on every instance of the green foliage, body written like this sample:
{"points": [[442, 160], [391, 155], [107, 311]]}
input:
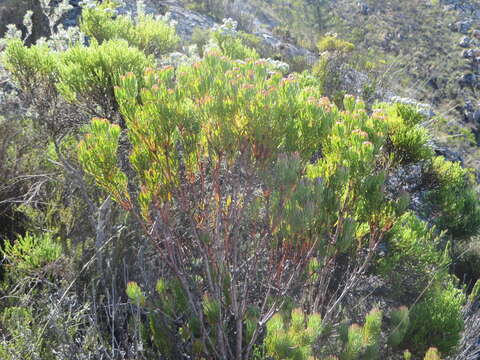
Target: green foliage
{"points": [[30, 253], [400, 323], [453, 200], [432, 354], [475, 294], [292, 340], [30, 66], [230, 43], [135, 293], [334, 44], [413, 254], [437, 320], [103, 150], [151, 35], [91, 73], [408, 139], [363, 342]]}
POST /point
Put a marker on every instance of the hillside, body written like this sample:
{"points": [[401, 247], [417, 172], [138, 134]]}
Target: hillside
{"points": [[288, 180]]}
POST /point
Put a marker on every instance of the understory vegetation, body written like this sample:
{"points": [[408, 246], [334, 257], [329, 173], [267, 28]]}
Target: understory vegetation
{"points": [[216, 205]]}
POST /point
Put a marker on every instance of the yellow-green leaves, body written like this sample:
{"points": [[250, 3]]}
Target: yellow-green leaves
{"points": [[293, 339], [135, 293], [98, 154], [89, 74], [453, 198], [30, 66], [149, 34]]}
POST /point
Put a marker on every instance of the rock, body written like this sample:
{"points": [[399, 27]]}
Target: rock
{"points": [[13, 11], [447, 153], [364, 8], [463, 26], [476, 116], [468, 80], [471, 53], [465, 42], [467, 54]]}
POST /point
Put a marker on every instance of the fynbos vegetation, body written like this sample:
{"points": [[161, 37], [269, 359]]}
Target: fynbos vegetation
{"points": [[219, 206]]}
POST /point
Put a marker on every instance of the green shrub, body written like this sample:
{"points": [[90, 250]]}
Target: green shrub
{"points": [[414, 255], [230, 43], [437, 320], [30, 67], [432, 354], [453, 201], [292, 340], [151, 35], [400, 323], [89, 74], [30, 253], [408, 139], [334, 44], [363, 341]]}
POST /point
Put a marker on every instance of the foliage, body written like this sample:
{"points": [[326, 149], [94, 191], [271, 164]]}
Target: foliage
{"points": [[231, 192], [228, 40], [333, 44], [363, 341], [413, 254], [293, 339], [437, 319], [30, 253], [400, 319], [453, 200], [151, 35], [432, 354]]}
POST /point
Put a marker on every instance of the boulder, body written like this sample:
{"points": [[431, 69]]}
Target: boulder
{"points": [[13, 11], [465, 42], [463, 26], [476, 34]]}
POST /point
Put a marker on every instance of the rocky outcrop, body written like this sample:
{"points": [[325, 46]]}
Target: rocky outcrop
{"points": [[13, 11]]}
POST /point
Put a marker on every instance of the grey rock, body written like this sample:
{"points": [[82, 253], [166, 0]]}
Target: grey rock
{"points": [[468, 80], [465, 42], [476, 34], [463, 26]]}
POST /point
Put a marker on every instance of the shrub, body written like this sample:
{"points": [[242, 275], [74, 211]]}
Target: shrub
{"points": [[292, 340], [437, 320], [151, 35], [432, 354], [363, 341], [334, 44], [400, 323], [413, 257], [89, 74], [31, 253], [408, 139], [453, 200], [230, 43]]}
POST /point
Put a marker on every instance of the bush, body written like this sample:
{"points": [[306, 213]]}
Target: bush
{"points": [[151, 35], [31, 253], [334, 44], [453, 200], [437, 320], [413, 255], [407, 138], [292, 340]]}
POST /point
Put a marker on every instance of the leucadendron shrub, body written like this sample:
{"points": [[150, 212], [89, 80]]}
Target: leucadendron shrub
{"points": [[241, 178], [150, 34], [453, 200], [437, 319]]}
